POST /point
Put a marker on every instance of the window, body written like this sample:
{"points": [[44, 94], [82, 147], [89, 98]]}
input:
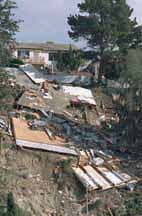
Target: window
{"points": [[23, 53], [52, 56]]}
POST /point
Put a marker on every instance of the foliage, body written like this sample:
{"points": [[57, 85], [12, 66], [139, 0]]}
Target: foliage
{"points": [[69, 61], [66, 163], [133, 64], [112, 65], [132, 205], [14, 62], [136, 37], [106, 26], [132, 76], [7, 92], [12, 209], [130, 103], [9, 26]]}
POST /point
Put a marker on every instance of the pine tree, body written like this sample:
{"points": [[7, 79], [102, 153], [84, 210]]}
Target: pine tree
{"points": [[104, 24], [8, 27]]}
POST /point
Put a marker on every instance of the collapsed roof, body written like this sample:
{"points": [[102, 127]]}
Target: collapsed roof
{"points": [[56, 100]]}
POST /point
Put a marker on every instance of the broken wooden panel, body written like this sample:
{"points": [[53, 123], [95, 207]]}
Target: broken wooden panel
{"points": [[85, 179], [112, 177], [104, 174], [100, 180], [46, 147]]}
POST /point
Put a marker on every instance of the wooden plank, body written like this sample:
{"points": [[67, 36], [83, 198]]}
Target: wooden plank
{"points": [[45, 147], [85, 179], [110, 175], [97, 177]]}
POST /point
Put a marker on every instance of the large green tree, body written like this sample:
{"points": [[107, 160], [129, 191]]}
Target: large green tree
{"points": [[9, 25], [69, 61], [104, 24], [130, 105]]}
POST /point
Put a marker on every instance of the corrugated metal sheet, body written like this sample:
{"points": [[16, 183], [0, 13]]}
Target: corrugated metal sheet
{"points": [[33, 73]]}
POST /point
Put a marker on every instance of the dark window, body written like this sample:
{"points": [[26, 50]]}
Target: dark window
{"points": [[23, 53], [52, 56]]}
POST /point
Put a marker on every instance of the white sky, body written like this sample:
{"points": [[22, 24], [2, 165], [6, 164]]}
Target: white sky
{"points": [[46, 20]]}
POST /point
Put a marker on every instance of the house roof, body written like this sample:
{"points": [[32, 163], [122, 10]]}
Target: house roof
{"points": [[49, 46]]}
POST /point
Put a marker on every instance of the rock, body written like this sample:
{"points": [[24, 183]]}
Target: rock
{"points": [[23, 173]]}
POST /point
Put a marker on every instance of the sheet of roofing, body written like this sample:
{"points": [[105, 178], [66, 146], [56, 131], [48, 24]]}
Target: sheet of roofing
{"points": [[70, 79], [39, 101], [83, 94], [87, 100], [85, 179], [77, 91], [33, 73], [95, 176], [45, 147], [110, 175]]}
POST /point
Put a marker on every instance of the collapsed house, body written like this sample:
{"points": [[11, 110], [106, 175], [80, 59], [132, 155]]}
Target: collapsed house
{"points": [[57, 99], [62, 133], [99, 171]]}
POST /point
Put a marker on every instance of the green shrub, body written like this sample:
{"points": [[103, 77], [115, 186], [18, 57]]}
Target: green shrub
{"points": [[15, 62]]}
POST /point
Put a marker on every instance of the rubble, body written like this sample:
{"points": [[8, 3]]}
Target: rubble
{"points": [[58, 101], [98, 171], [60, 78], [51, 115]]}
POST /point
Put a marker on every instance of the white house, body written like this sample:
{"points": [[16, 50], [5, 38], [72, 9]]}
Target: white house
{"points": [[40, 53]]}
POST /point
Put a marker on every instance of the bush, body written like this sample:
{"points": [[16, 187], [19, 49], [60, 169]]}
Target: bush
{"points": [[15, 62], [12, 208]]}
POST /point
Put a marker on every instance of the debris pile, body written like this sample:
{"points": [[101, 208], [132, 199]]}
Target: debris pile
{"points": [[59, 116], [99, 171]]}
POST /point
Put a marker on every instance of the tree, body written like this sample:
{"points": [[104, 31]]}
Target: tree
{"points": [[130, 108], [69, 61], [105, 25], [74, 59], [136, 37], [8, 27]]}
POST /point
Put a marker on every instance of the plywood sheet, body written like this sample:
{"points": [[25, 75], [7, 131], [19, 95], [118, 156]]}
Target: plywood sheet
{"points": [[23, 132]]}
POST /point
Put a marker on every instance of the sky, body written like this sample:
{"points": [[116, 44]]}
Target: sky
{"points": [[46, 20]]}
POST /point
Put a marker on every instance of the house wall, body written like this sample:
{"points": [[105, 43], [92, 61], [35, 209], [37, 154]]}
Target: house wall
{"points": [[45, 57], [15, 54], [35, 56]]}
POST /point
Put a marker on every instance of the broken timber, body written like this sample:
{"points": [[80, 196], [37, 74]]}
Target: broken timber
{"points": [[103, 176], [45, 147]]}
